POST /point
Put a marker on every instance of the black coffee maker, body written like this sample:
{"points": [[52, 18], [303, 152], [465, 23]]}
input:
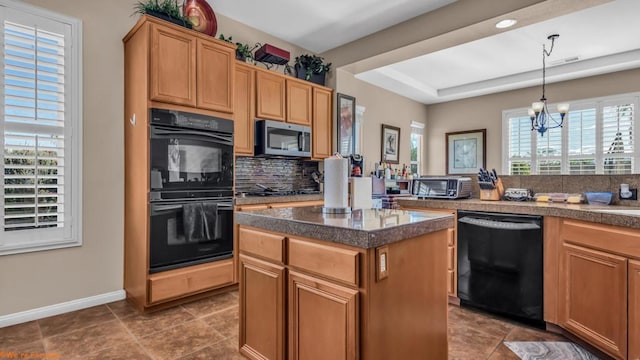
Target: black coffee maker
{"points": [[357, 165]]}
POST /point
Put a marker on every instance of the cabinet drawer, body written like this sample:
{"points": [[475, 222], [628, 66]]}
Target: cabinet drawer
{"points": [[450, 258], [176, 283], [261, 244], [335, 263]]}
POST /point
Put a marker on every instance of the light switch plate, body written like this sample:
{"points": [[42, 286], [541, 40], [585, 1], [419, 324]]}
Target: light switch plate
{"points": [[382, 263]]}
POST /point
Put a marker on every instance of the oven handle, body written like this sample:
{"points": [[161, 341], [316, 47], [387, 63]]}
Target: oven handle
{"points": [[157, 208], [160, 131]]}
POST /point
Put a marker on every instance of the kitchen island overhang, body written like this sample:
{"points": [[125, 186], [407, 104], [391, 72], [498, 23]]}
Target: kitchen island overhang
{"points": [[367, 285]]}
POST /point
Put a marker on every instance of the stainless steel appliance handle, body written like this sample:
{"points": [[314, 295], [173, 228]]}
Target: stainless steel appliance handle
{"points": [[227, 140], [502, 225], [155, 207]]}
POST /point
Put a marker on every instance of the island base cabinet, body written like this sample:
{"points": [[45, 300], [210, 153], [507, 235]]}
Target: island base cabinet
{"points": [[634, 310], [262, 323], [322, 319], [593, 285]]}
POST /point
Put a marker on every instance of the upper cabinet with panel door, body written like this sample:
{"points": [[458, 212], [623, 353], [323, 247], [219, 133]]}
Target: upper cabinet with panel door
{"points": [[189, 68]]}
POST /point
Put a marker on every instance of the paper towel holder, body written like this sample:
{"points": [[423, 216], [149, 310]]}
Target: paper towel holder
{"points": [[345, 210]]}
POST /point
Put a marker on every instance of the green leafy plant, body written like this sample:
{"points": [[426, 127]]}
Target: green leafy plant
{"points": [[312, 64], [171, 8], [243, 51]]}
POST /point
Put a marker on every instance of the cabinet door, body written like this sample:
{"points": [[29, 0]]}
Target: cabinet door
{"points": [[593, 287], [215, 64], [321, 126], [172, 66], [270, 96], [634, 310], [262, 331], [243, 109], [299, 102], [322, 319]]}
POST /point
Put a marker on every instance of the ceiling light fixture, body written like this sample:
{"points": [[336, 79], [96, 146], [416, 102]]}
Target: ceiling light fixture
{"points": [[503, 24], [541, 119]]}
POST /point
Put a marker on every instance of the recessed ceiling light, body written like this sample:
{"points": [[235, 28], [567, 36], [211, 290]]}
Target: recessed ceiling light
{"points": [[502, 24]]}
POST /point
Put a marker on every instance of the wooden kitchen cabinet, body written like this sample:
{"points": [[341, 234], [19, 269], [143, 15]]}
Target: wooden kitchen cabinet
{"points": [[243, 109], [188, 70], [270, 95], [215, 66], [322, 319], [593, 285], [322, 123], [634, 310], [172, 74], [167, 66], [262, 334], [452, 253], [299, 102]]}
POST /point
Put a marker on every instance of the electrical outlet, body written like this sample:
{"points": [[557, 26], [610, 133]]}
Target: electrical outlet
{"points": [[382, 263], [633, 196]]}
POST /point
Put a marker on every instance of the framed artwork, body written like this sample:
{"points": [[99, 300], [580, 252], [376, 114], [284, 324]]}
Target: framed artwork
{"points": [[390, 144], [346, 121], [466, 151]]}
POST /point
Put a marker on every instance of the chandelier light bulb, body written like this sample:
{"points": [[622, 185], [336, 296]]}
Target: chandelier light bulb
{"points": [[563, 108], [532, 113], [537, 106]]}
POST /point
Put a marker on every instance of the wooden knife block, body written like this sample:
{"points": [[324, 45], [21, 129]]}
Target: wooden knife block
{"points": [[495, 194]]}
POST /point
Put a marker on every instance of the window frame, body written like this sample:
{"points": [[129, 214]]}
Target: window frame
{"points": [[598, 103], [30, 240], [417, 129]]}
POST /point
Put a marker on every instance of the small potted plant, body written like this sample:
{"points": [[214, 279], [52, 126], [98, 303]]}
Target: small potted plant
{"points": [[311, 68], [168, 10], [243, 51]]}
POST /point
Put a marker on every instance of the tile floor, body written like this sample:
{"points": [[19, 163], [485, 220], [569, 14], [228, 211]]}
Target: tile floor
{"points": [[208, 329]]}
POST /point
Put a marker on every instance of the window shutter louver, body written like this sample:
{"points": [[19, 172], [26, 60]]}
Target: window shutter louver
{"points": [[617, 138], [581, 126], [520, 146], [33, 129]]}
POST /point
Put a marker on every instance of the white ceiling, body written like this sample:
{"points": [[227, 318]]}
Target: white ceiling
{"points": [[322, 25], [604, 39]]}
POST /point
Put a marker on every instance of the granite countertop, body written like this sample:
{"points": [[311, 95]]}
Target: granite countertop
{"points": [[571, 211], [251, 200], [364, 228]]}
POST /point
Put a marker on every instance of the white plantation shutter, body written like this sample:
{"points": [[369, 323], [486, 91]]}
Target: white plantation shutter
{"points": [[520, 142], [598, 137], [40, 124], [581, 126], [617, 137]]}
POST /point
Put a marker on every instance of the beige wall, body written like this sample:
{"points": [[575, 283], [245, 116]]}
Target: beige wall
{"points": [[382, 107], [485, 112], [32, 280]]}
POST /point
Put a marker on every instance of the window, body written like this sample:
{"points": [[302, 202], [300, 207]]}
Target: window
{"points": [[417, 130], [41, 127], [597, 138]]}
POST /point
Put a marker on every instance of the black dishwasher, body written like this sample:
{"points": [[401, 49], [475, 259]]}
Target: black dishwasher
{"points": [[500, 264]]}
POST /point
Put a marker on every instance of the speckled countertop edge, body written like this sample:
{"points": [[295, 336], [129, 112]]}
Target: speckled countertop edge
{"points": [[352, 237], [582, 212]]}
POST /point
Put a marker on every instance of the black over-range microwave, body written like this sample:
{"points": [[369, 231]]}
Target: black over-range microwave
{"points": [[282, 139]]}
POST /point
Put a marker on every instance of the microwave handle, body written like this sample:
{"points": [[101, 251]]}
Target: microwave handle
{"points": [[301, 139]]}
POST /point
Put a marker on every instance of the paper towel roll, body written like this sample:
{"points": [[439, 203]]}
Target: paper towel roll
{"points": [[336, 183]]}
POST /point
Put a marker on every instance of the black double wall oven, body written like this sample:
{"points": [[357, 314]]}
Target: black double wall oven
{"points": [[191, 189]]}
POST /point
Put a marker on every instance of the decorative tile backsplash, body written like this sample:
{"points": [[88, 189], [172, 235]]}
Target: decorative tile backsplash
{"points": [[279, 174], [570, 184]]}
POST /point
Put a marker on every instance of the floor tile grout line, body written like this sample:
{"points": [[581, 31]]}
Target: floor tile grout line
{"points": [[224, 338], [135, 339]]}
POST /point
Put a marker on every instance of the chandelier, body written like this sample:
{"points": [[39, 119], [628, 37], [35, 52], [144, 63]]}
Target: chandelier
{"points": [[541, 119]]}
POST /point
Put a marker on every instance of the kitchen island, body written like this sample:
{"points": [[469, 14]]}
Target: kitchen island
{"points": [[370, 284]]}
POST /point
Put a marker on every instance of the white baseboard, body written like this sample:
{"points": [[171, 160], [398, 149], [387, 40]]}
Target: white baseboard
{"points": [[61, 308]]}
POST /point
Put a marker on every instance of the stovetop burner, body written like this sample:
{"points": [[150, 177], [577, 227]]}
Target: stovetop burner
{"points": [[281, 193]]}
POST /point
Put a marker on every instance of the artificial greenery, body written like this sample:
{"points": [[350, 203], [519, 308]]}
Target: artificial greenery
{"points": [[312, 64], [243, 51], [171, 8]]}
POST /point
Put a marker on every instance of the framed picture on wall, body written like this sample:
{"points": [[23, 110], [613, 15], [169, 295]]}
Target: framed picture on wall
{"points": [[466, 151], [346, 124], [390, 144]]}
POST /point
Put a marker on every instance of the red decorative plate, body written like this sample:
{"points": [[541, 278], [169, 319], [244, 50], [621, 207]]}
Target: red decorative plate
{"points": [[201, 16]]}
